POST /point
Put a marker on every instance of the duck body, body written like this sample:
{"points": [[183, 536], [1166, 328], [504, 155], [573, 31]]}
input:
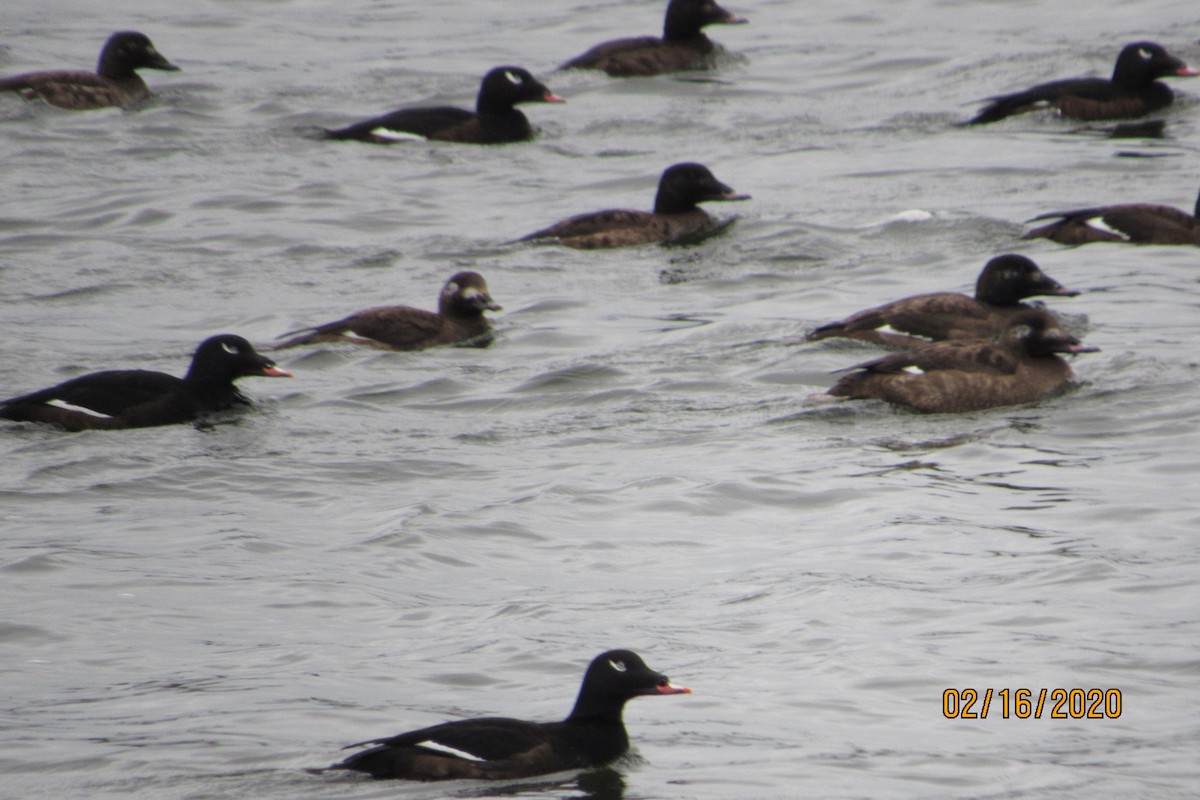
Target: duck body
{"points": [[1133, 91], [500, 748], [971, 375], [683, 45], [914, 321], [675, 215], [459, 319], [1135, 223], [115, 82], [118, 399], [495, 120]]}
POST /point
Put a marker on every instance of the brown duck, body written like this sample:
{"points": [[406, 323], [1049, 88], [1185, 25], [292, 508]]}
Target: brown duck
{"points": [[459, 319], [969, 375], [114, 83], [683, 45], [1005, 281], [1136, 223], [675, 215]]}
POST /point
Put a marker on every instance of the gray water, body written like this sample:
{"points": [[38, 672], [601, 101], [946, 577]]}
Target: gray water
{"points": [[397, 539]]}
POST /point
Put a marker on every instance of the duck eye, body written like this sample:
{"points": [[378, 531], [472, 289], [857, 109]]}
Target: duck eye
{"points": [[513, 78], [619, 666], [228, 348]]}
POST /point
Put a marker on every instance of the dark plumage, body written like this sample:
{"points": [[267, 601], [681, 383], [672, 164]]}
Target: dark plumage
{"points": [[1133, 91], [459, 318], [675, 214], [973, 374], [1137, 223], [498, 748], [137, 398], [1004, 282], [114, 83], [683, 45], [494, 120]]}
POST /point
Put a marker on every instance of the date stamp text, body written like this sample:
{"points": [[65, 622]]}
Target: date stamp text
{"points": [[1032, 703]]}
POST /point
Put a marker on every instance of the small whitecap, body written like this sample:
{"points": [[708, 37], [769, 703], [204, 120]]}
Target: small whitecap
{"points": [[912, 215]]}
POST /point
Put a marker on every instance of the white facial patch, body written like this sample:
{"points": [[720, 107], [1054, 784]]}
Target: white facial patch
{"points": [[451, 288], [513, 78], [619, 666], [397, 136], [448, 750], [469, 292], [1098, 223], [65, 406], [912, 369]]}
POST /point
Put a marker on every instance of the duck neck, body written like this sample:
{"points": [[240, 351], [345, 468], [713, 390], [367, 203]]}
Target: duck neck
{"points": [[114, 66], [679, 26], [597, 710]]}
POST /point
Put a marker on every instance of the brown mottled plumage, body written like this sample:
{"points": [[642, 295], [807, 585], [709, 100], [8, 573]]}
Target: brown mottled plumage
{"points": [[114, 83], [675, 214], [683, 45], [1133, 91], [500, 748], [1005, 281], [1136, 223], [969, 375], [459, 318]]}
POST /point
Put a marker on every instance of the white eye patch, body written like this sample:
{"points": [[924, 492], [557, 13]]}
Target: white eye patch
{"points": [[513, 78], [1146, 54], [619, 666], [228, 348]]}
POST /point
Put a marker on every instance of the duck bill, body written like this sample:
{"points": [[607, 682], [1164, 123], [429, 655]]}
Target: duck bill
{"points": [[273, 371], [551, 97], [158, 62], [667, 688], [1060, 291], [1186, 72], [1076, 349]]}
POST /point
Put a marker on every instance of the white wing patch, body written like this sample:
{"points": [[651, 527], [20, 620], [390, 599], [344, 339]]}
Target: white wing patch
{"points": [[912, 369], [448, 750], [887, 328], [65, 406], [1098, 223], [397, 136]]}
